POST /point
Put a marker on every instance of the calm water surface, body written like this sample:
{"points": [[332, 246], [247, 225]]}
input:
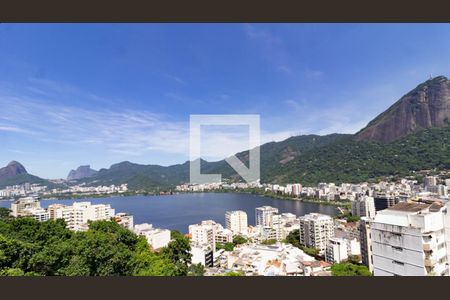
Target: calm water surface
{"points": [[179, 211]]}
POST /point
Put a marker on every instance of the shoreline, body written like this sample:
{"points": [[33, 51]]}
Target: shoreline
{"points": [[342, 204]]}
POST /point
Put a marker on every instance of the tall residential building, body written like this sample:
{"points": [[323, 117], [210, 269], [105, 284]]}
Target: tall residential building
{"points": [[315, 230], [336, 250], [264, 215], [364, 207], [236, 221], [79, 214], [204, 233], [366, 243], [383, 201], [408, 239]]}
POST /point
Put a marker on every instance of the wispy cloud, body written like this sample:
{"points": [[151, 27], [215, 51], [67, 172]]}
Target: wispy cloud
{"points": [[177, 79], [296, 105], [13, 129], [128, 133], [313, 74], [256, 33]]}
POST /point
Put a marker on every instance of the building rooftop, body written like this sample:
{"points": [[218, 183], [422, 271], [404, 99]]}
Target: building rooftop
{"points": [[416, 206], [409, 207]]}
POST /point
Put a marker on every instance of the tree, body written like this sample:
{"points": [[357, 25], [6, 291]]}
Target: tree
{"points": [[293, 238], [269, 242], [349, 269], [238, 240], [226, 246], [5, 214], [178, 252], [196, 270], [233, 273], [311, 251]]}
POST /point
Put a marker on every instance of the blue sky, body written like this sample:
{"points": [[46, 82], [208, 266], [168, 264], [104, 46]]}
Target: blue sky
{"points": [[99, 94]]}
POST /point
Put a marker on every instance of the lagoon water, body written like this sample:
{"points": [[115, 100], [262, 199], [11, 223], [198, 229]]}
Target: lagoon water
{"points": [[179, 211]]}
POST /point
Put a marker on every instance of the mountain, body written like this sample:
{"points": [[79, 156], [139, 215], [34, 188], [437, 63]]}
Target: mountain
{"points": [[349, 160], [16, 174], [273, 155], [412, 134], [81, 172], [426, 106], [13, 169]]}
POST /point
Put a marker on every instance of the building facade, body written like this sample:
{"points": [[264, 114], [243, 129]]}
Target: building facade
{"points": [[237, 222], [264, 214], [78, 215], [365, 239], [408, 239], [156, 237], [364, 207], [315, 230], [336, 250]]}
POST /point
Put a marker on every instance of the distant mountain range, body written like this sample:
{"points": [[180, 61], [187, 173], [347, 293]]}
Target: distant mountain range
{"points": [[81, 172], [412, 134]]}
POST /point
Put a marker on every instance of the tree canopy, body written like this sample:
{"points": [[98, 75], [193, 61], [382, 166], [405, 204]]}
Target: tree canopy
{"points": [[349, 269], [29, 247]]}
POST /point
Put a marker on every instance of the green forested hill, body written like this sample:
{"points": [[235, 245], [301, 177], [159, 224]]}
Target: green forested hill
{"points": [[348, 160], [307, 159]]}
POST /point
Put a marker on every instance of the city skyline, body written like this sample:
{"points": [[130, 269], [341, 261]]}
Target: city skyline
{"points": [[77, 94]]}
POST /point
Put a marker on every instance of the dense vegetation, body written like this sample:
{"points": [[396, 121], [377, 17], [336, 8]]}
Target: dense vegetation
{"points": [[27, 178], [29, 247], [347, 160], [349, 269]]}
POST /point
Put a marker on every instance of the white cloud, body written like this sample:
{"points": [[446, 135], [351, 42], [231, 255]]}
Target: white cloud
{"points": [[313, 74], [256, 33]]}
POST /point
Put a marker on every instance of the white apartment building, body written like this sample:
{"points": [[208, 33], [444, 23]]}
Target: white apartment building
{"points": [[264, 215], [408, 239], [283, 224], [78, 214], [336, 250], [237, 222], [39, 214], [156, 237], [202, 254], [204, 233], [24, 206], [315, 230], [124, 219], [223, 236], [365, 239], [364, 207]]}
